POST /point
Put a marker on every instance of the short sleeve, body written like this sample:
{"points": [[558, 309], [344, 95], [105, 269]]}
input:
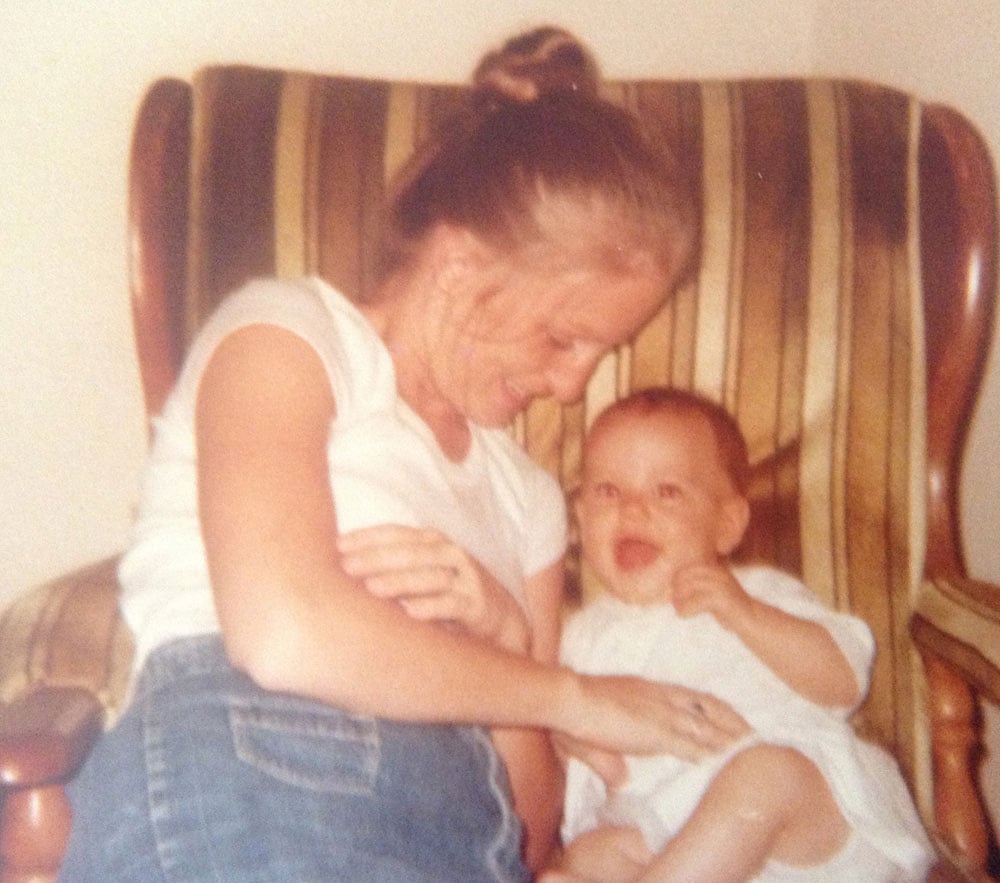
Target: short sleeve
{"points": [[545, 531], [785, 592]]}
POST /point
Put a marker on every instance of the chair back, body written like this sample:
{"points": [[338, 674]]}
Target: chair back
{"points": [[833, 273]]}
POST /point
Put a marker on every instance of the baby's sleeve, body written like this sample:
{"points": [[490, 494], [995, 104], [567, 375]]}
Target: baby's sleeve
{"points": [[851, 634]]}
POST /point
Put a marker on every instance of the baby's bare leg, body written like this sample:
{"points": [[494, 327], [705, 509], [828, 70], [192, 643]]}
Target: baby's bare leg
{"points": [[604, 855], [768, 802]]}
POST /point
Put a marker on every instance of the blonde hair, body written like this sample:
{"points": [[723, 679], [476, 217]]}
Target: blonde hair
{"points": [[537, 161]]}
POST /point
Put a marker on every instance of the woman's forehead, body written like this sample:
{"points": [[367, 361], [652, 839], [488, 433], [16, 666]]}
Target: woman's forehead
{"points": [[608, 307]]}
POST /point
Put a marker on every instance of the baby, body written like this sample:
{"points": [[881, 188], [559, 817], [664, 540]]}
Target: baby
{"points": [[661, 507]]}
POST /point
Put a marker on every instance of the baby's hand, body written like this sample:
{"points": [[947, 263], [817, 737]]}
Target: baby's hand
{"points": [[710, 588]]}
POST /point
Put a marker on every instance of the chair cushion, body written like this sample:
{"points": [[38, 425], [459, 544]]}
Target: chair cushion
{"points": [[68, 633]]}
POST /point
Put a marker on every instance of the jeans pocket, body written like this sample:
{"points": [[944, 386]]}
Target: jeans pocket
{"points": [[305, 744]]}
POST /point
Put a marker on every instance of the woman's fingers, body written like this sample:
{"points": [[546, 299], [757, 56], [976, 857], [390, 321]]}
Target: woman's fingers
{"points": [[395, 561], [702, 724], [643, 718], [433, 579], [388, 549], [721, 716]]}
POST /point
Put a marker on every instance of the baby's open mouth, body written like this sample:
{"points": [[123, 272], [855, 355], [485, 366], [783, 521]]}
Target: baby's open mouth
{"points": [[632, 553]]}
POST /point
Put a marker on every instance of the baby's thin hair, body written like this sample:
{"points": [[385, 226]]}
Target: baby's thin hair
{"points": [[729, 440]]}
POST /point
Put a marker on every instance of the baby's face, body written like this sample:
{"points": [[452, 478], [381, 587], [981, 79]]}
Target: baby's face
{"points": [[654, 499]]}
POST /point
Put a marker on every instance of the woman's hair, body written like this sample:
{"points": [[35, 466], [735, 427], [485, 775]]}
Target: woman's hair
{"points": [[730, 444], [538, 163]]}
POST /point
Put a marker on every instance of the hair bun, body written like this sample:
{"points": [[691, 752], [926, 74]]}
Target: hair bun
{"points": [[541, 62]]}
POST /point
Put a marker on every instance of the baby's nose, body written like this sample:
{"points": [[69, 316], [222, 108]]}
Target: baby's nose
{"points": [[633, 503]]}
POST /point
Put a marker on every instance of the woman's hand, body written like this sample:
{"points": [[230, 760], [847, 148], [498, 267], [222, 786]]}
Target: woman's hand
{"points": [[628, 715], [434, 579]]}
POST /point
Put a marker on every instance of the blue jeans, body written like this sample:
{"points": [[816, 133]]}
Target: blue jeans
{"points": [[208, 777]]}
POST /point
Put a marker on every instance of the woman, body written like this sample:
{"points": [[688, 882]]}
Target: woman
{"points": [[346, 578]]}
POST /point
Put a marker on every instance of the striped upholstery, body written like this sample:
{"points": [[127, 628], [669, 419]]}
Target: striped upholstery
{"points": [[835, 217], [67, 633], [803, 319]]}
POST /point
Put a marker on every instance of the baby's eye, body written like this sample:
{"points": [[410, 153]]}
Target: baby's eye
{"points": [[667, 491], [559, 342], [605, 490]]}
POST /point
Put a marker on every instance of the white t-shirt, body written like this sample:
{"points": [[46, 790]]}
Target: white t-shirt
{"points": [[385, 467]]}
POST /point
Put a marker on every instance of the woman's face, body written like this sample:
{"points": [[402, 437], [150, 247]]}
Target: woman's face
{"points": [[527, 335]]}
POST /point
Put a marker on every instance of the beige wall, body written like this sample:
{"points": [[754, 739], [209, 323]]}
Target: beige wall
{"points": [[72, 436]]}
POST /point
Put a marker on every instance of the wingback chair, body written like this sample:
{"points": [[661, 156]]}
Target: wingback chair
{"points": [[841, 310]]}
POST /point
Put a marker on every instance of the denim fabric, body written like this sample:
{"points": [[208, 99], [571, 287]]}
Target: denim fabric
{"points": [[208, 777]]}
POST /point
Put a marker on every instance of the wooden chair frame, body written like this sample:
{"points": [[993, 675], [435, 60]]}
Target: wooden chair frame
{"points": [[46, 733]]}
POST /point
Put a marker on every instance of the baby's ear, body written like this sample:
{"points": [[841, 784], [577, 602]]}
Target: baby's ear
{"points": [[734, 517]]}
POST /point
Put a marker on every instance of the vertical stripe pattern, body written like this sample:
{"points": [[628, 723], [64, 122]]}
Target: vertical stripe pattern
{"points": [[802, 317]]}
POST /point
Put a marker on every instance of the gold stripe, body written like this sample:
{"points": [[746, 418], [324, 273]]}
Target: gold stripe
{"points": [[899, 466], [602, 388], [819, 385], [724, 384], [923, 773], [918, 362], [840, 539], [201, 110], [292, 174], [721, 241], [400, 127]]}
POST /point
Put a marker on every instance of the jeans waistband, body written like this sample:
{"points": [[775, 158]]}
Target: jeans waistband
{"points": [[185, 657]]}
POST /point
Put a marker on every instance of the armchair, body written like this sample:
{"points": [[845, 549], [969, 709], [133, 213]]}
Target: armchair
{"points": [[841, 309]]}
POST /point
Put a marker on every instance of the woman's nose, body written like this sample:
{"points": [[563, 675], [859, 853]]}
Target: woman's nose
{"points": [[569, 373]]}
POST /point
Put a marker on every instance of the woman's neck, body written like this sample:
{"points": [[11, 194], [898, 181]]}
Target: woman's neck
{"points": [[399, 328]]}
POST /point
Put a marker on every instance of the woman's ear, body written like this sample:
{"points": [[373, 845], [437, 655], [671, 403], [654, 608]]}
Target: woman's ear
{"points": [[453, 253], [734, 516]]}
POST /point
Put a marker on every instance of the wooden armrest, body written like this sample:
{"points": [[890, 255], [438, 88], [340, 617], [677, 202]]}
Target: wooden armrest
{"points": [[46, 734], [956, 628], [958, 621], [44, 737]]}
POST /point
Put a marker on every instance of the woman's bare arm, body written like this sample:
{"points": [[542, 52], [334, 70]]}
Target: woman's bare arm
{"points": [[536, 774], [434, 579], [289, 614], [294, 621]]}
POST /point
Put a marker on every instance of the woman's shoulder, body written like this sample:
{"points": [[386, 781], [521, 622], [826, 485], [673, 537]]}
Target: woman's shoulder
{"points": [[307, 302], [352, 354]]}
